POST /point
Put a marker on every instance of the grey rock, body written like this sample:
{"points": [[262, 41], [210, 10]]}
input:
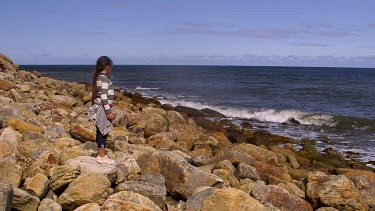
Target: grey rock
{"points": [[24, 201], [244, 171], [6, 196], [49, 205]]}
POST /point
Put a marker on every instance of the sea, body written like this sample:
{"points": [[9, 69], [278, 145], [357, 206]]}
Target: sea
{"points": [[334, 106]]}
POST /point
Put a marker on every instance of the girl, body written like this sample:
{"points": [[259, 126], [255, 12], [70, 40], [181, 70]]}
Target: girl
{"points": [[103, 96]]}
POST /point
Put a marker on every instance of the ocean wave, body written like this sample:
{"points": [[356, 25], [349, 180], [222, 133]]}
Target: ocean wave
{"points": [[266, 115], [147, 88]]}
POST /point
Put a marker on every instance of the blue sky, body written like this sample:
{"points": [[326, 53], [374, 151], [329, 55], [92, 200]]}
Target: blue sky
{"points": [[236, 32]]}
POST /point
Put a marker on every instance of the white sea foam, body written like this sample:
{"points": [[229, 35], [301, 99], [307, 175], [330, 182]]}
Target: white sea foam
{"points": [[147, 88], [267, 115]]}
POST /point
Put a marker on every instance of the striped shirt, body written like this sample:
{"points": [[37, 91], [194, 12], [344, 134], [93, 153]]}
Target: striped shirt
{"points": [[106, 92]]}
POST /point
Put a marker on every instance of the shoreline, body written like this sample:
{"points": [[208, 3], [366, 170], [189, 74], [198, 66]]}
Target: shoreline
{"points": [[44, 121]]}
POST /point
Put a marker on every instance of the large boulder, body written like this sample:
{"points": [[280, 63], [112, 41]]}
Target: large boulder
{"points": [[6, 64], [82, 133], [38, 185], [366, 188], [209, 124], [244, 171], [173, 117], [89, 207], [6, 196], [254, 151], [72, 153], [182, 178], [186, 135], [24, 201], [49, 205], [88, 165], [266, 171], [9, 140], [22, 126], [213, 113], [162, 141], [6, 85], [190, 111], [230, 199], [10, 172], [128, 200], [88, 188], [62, 176], [153, 124], [63, 100], [151, 186], [33, 148], [333, 191], [279, 198]]}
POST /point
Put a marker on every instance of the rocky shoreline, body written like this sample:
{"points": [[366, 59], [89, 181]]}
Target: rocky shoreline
{"points": [[167, 158]]}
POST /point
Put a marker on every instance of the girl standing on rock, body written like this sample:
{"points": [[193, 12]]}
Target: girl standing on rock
{"points": [[103, 96]]}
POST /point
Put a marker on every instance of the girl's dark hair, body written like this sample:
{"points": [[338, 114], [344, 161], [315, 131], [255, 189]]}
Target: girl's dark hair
{"points": [[101, 64]]}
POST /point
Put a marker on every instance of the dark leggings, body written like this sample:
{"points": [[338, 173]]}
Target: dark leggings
{"points": [[100, 139]]}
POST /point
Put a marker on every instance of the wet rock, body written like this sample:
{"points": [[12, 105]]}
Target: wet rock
{"points": [[24, 201], [333, 191], [213, 113], [236, 135], [49, 205], [9, 140], [88, 165], [246, 125], [292, 122], [167, 107], [6, 196], [244, 171], [62, 176], [174, 117], [38, 185], [279, 198], [209, 124], [261, 137], [10, 173], [88, 188], [182, 178], [190, 111], [230, 199], [277, 139]]}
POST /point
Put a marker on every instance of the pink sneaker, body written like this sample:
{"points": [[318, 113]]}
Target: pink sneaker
{"points": [[104, 160]]}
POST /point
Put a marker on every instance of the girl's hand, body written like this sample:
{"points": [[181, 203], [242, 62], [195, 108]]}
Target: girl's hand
{"points": [[110, 116]]}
